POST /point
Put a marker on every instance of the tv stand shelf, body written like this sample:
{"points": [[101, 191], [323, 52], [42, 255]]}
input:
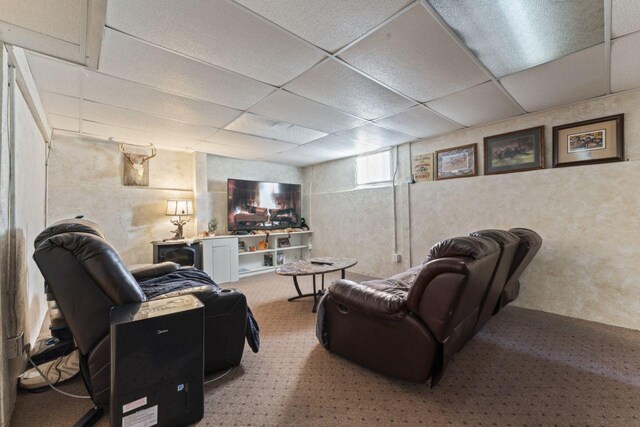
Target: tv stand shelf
{"points": [[224, 262]]}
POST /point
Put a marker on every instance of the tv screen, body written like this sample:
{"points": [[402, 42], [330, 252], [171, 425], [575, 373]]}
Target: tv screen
{"points": [[258, 205]]}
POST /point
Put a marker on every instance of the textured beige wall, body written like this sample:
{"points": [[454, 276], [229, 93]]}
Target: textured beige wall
{"points": [[219, 169], [22, 216], [29, 220], [85, 178], [588, 216]]}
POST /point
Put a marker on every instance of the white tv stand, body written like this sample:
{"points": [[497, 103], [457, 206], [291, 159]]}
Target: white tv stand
{"points": [[222, 260]]}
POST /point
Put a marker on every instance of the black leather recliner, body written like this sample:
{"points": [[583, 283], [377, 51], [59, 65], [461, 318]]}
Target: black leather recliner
{"points": [[88, 278]]}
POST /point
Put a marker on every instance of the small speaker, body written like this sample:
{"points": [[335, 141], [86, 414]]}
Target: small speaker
{"points": [[157, 363]]}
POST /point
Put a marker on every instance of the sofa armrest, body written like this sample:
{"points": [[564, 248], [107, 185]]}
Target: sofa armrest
{"points": [[367, 300], [150, 271]]}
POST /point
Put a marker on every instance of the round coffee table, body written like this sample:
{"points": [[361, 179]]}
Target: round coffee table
{"points": [[313, 267]]}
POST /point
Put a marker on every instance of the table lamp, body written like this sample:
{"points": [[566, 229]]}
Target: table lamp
{"points": [[179, 208]]}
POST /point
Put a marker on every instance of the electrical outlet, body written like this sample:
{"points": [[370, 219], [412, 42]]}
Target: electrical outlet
{"points": [[397, 258], [15, 346]]}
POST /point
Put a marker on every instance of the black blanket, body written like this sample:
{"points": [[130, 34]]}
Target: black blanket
{"points": [[189, 278]]}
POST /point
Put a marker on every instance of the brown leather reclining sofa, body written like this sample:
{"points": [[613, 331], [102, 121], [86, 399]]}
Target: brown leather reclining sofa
{"points": [[410, 325]]}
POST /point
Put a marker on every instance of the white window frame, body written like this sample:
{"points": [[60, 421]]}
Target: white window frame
{"points": [[383, 182]]}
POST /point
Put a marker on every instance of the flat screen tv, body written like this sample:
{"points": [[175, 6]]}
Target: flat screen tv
{"points": [[259, 205]]}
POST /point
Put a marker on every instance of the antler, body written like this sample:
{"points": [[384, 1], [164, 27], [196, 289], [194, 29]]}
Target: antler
{"points": [[153, 152]]}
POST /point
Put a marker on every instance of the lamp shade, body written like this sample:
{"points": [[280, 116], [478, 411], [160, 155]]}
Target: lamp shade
{"points": [[179, 207]]}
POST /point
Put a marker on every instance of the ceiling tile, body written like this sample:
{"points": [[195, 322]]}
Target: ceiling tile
{"points": [[335, 23], [134, 96], [572, 78], [512, 35], [625, 62], [174, 73], [250, 142], [289, 107], [419, 121], [273, 129], [108, 114], [414, 55], [625, 17], [333, 147], [338, 86], [63, 122], [60, 19], [227, 151], [217, 32], [60, 104], [121, 134], [376, 136], [56, 76], [484, 103], [290, 157]]}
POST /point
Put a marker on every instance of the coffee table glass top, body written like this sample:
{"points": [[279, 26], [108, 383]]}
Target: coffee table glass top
{"points": [[306, 268]]}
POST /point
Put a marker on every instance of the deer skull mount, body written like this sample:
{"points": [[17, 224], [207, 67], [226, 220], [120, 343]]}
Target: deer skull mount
{"points": [[134, 174]]}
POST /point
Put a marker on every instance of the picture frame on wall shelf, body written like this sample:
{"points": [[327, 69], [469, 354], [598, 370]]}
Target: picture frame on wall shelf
{"points": [[457, 162], [588, 142], [284, 242], [518, 151]]}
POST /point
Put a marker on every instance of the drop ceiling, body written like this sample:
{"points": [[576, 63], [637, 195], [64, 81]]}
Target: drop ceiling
{"points": [[306, 81]]}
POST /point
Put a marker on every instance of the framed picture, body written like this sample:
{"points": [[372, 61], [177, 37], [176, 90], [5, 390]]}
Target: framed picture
{"points": [[591, 141], [423, 167], [457, 162], [284, 242], [517, 151], [268, 260], [241, 246]]}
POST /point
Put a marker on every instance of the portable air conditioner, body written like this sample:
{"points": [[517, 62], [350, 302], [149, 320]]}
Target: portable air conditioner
{"points": [[157, 363]]}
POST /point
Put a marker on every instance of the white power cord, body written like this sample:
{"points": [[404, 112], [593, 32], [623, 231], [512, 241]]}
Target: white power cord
{"points": [[51, 385], [224, 374]]}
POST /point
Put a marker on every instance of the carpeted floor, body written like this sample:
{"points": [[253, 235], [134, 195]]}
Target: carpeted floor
{"points": [[526, 368]]}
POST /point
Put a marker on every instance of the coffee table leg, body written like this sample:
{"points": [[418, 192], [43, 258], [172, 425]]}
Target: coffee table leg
{"points": [[295, 283], [344, 273], [315, 296]]}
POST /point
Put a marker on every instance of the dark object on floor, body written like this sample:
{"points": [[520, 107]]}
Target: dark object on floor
{"points": [[157, 365], [88, 279], [410, 325], [180, 252]]}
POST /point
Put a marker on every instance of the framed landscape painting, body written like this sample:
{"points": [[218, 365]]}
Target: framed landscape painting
{"points": [[517, 151], [457, 162], [591, 141]]}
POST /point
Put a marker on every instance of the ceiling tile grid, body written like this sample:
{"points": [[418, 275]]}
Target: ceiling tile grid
{"points": [[223, 30], [258, 79], [414, 55]]}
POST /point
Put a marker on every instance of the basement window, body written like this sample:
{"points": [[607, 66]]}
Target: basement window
{"points": [[374, 168]]}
